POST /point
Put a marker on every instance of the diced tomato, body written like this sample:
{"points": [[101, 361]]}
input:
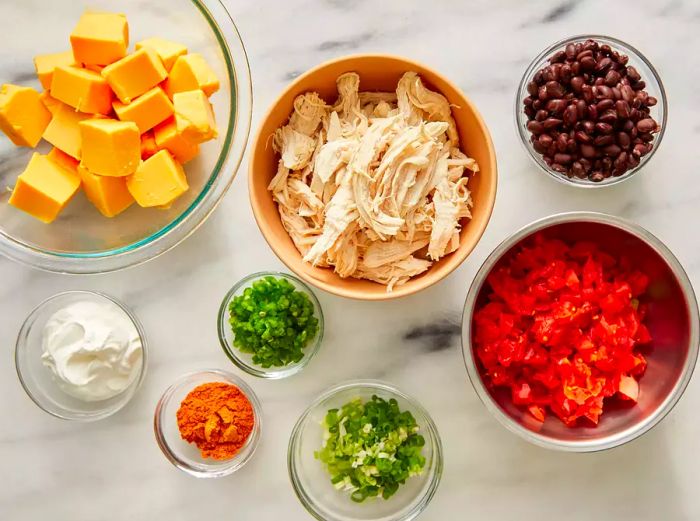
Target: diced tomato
{"points": [[629, 388], [561, 327]]}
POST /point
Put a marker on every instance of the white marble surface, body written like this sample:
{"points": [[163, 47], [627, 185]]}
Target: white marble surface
{"points": [[113, 470]]}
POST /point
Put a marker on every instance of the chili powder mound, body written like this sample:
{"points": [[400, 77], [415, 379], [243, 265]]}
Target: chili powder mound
{"points": [[560, 329], [218, 418]]}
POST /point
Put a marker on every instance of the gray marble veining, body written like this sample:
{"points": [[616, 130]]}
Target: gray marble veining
{"points": [[113, 470]]}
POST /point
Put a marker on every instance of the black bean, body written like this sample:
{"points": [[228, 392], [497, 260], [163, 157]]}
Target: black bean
{"points": [[622, 108], [603, 128], [587, 151], [551, 123], [632, 74], [587, 63], [582, 137], [603, 140], [532, 88], [535, 127], [646, 125], [554, 89], [570, 115], [623, 140], [612, 78]]}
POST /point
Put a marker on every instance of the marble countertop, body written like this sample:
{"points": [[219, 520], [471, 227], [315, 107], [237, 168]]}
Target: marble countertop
{"points": [[113, 469]]}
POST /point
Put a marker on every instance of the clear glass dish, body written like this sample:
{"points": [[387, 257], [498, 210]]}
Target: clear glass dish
{"points": [[653, 86], [81, 240], [186, 456], [38, 381], [312, 482], [244, 361]]}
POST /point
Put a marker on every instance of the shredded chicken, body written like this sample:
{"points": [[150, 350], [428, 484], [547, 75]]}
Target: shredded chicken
{"points": [[374, 185]]}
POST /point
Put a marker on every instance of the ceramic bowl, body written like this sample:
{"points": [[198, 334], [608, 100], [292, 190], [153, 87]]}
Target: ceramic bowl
{"points": [[377, 72]]}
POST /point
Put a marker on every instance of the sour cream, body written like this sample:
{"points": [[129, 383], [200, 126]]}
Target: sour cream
{"points": [[93, 349]]}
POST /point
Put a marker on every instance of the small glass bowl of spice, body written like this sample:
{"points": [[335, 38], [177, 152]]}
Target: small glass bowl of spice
{"points": [[364, 450], [208, 423], [270, 325], [591, 110]]}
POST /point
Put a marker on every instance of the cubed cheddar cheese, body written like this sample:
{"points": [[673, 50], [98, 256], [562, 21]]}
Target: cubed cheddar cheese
{"points": [[158, 181], [109, 194], [191, 72], [110, 147], [50, 102], [94, 68], [147, 110], [63, 132], [148, 145], [84, 90], [168, 138], [135, 74], [44, 188], [46, 63], [194, 116], [100, 38], [23, 116], [62, 159], [166, 50]]}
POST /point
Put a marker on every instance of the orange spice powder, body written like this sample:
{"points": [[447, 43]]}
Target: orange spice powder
{"points": [[218, 418]]}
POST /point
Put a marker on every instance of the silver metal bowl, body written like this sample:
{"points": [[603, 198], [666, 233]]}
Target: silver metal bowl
{"points": [[672, 320]]}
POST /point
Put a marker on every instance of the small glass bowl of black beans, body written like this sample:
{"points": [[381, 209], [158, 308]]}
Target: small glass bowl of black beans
{"points": [[591, 110]]}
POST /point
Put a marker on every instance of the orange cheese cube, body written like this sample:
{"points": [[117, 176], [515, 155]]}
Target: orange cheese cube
{"points": [[147, 110], [191, 72], [84, 90], [194, 116], [168, 138], [94, 68], [49, 102], [100, 38], [63, 132], [135, 74], [158, 181], [64, 160], [109, 194], [166, 50], [44, 188], [148, 145], [23, 117], [110, 147], [46, 63]]}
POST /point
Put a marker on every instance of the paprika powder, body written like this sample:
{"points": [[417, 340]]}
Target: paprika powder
{"points": [[218, 418]]}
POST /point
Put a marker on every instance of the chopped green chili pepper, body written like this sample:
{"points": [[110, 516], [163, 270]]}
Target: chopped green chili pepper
{"points": [[273, 321], [371, 448]]}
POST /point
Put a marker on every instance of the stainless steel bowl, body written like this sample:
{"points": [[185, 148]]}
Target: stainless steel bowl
{"points": [[672, 320]]}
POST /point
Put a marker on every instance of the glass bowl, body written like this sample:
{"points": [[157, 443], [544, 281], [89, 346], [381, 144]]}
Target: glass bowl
{"points": [[38, 381], [653, 86], [186, 456], [312, 483], [672, 318], [81, 240], [245, 360]]}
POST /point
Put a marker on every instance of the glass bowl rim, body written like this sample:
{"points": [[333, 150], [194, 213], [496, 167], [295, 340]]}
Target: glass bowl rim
{"points": [[432, 437], [630, 433], [129, 392], [232, 353], [148, 248], [520, 119], [227, 467]]}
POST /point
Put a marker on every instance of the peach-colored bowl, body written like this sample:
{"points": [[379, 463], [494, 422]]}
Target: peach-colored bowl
{"points": [[377, 72]]}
